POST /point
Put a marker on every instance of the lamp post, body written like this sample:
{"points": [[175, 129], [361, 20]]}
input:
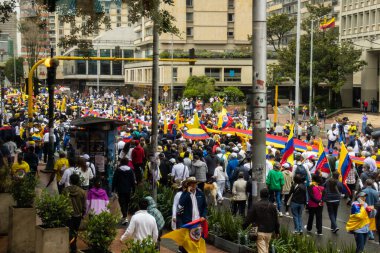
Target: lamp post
{"points": [[298, 47]]}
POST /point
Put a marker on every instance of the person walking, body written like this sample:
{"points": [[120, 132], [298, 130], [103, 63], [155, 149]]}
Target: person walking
{"points": [[297, 201], [287, 185], [263, 215], [358, 222], [199, 170], [142, 224], [123, 184], [20, 168], [315, 204], [138, 156], [78, 202], [160, 222], [97, 199], [332, 196], [275, 181], [180, 171], [221, 177], [239, 191], [372, 199]]}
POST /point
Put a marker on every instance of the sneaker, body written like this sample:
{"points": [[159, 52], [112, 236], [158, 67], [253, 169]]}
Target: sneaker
{"points": [[319, 234], [335, 230], [305, 227], [287, 213], [125, 221], [280, 214]]}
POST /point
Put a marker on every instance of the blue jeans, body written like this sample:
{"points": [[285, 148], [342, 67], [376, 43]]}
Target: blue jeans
{"points": [[360, 239], [332, 209], [275, 196], [297, 210]]}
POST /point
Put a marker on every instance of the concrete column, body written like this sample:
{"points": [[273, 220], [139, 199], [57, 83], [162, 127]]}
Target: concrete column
{"points": [[346, 92], [369, 78]]}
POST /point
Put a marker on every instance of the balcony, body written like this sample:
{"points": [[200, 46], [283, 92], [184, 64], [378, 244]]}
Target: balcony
{"points": [[148, 24], [137, 28], [148, 38], [138, 41]]}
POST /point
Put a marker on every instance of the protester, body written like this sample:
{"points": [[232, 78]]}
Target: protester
{"points": [[160, 222], [297, 200], [315, 204], [221, 177], [239, 191], [332, 195], [287, 185], [275, 182], [199, 170], [263, 215], [97, 199], [20, 168]]}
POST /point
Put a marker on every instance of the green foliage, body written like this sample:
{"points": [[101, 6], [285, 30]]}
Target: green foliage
{"points": [[289, 243], [333, 61], [5, 179], [141, 191], [224, 224], [233, 93], [278, 26], [199, 86], [165, 197], [145, 246], [9, 68], [136, 94], [217, 106], [54, 210], [24, 190], [101, 231], [149, 9], [208, 54], [7, 10]]}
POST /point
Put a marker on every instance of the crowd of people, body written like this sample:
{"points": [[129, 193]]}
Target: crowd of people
{"points": [[205, 172]]}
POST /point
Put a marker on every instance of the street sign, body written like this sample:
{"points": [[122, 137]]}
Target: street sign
{"points": [[166, 94], [166, 87]]}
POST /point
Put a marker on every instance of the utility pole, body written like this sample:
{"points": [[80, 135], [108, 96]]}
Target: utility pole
{"points": [[298, 47], [155, 80], [51, 72], [259, 96], [172, 79], [311, 68]]}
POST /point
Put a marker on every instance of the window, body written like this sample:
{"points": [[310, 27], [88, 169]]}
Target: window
{"points": [[230, 33], [231, 17], [93, 65], [189, 17], [118, 18], [232, 75], [149, 31], [81, 67], [105, 66], [191, 71], [189, 31], [213, 73], [118, 11], [175, 74], [189, 3], [118, 24], [128, 53], [231, 4]]}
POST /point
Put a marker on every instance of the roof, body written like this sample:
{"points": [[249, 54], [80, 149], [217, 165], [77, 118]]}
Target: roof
{"points": [[93, 121]]}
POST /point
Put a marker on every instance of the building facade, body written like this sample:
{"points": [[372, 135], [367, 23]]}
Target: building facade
{"points": [[360, 23]]}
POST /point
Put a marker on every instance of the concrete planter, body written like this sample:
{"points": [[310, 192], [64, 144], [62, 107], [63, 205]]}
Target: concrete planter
{"points": [[228, 246], [22, 228], [52, 240], [6, 200]]}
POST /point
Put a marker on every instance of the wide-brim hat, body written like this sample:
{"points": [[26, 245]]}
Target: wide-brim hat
{"points": [[191, 180]]}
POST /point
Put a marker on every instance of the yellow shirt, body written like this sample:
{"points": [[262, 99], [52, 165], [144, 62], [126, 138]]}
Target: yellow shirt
{"points": [[20, 169], [59, 164], [352, 130]]}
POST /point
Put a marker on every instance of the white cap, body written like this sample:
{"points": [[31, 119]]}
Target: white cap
{"points": [[235, 149], [85, 156], [172, 160]]}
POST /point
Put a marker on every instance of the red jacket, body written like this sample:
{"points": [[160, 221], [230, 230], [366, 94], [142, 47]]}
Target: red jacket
{"points": [[138, 155]]}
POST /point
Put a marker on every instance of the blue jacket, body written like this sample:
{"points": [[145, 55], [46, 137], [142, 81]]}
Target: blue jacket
{"points": [[231, 166], [185, 206], [372, 196]]}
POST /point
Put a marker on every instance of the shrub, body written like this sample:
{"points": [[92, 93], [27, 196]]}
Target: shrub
{"points": [[145, 246], [5, 179], [165, 197], [24, 190], [54, 210], [141, 191], [101, 231]]}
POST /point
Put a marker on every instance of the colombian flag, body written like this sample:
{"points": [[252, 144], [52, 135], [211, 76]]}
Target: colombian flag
{"points": [[344, 165], [224, 120], [165, 126], [190, 236], [327, 24], [323, 163], [196, 122], [289, 148]]}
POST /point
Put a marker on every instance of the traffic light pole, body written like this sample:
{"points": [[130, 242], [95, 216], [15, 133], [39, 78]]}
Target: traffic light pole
{"points": [[259, 96]]}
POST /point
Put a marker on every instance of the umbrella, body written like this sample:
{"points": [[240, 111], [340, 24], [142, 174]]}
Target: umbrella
{"points": [[195, 134]]}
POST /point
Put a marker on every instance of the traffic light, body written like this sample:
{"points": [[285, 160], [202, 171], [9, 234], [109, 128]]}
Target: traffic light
{"points": [[192, 55], [51, 65]]}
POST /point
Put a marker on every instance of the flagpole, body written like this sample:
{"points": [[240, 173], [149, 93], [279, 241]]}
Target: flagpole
{"points": [[311, 69]]}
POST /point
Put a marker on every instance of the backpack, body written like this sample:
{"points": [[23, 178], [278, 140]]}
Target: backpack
{"points": [[300, 170]]}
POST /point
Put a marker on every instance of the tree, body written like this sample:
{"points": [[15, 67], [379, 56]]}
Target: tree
{"points": [[9, 68], [332, 61], [278, 26], [7, 10], [233, 93], [199, 86]]}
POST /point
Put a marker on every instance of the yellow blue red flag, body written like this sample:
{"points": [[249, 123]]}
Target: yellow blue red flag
{"points": [[190, 236], [344, 165], [288, 151], [224, 119]]}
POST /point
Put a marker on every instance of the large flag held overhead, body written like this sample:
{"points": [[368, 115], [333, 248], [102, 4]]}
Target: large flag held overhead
{"points": [[323, 163], [327, 24], [224, 120], [196, 122], [288, 151], [344, 165], [190, 236]]}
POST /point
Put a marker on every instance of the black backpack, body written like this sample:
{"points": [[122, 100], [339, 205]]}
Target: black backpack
{"points": [[301, 171]]}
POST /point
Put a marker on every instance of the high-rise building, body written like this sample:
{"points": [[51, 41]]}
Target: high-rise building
{"points": [[360, 23]]}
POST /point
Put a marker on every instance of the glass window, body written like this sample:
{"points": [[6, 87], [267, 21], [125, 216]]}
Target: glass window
{"points": [[128, 53], [81, 67], [189, 3], [105, 68], [175, 74], [93, 65], [213, 73], [230, 33], [189, 17], [189, 31], [232, 75], [231, 17], [231, 4], [149, 31]]}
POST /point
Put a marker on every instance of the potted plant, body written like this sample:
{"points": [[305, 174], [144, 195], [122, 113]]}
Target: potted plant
{"points": [[22, 217], [145, 246], [6, 199], [100, 233], [55, 211]]}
